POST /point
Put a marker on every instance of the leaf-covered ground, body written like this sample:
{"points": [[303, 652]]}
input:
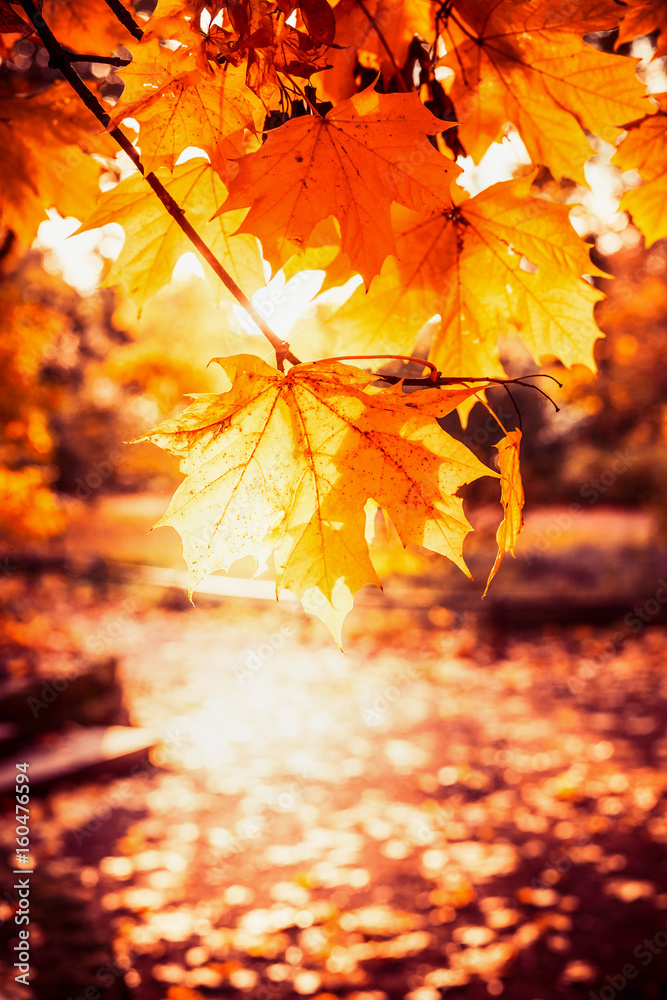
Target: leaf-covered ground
{"points": [[445, 810]]}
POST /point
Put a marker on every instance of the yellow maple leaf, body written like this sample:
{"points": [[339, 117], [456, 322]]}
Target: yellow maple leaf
{"points": [[366, 153], [644, 149], [179, 100], [470, 266], [527, 63], [45, 140], [173, 20], [288, 462], [512, 499], [154, 241]]}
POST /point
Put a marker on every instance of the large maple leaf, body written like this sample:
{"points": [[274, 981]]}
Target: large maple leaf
{"points": [[527, 63], [644, 149], [179, 100], [368, 152], [290, 461], [154, 241], [469, 264]]}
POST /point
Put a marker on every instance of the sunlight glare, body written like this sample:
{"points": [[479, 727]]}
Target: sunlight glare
{"points": [[281, 302], [499, 163], [75, 257]]}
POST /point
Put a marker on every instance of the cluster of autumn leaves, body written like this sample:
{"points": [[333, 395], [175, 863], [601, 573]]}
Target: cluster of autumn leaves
{"points": [[324, 140]]}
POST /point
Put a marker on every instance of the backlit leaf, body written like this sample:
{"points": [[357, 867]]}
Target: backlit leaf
{"points": [[512, 498], [644, 17], [644, 149], [154, 242], [527, 63], [365, 154], [469, 265], [180, 101], [289, 462]]}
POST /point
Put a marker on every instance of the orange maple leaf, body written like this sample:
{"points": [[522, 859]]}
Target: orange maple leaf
{"points": [[512, 499], [644, 17], [86, 26], [366, 153], [44, 142], [470, 265], [527, 63], [644, 149], [180, 101], [381, 29]]}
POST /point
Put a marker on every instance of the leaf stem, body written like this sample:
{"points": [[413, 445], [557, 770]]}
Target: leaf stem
{"points": [[59, 60], [495, 416], [458, 24], [433, 373]]}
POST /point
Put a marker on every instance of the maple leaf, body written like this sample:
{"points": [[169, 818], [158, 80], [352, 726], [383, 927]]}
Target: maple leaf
{"points": [[323, 253], [172, 19], [527, 63], [11, 21], [290, 461], [154, 242], [367, 152], [180, 101], [319, 20], [45, 140], [86, 26], [358, 29], [512, 499], [469, 265], [644, 149], [644, 17]]}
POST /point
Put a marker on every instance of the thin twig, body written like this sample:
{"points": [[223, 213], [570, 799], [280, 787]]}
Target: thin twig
{"points": [[125, 18], [433, 371], [60, 61], [513, 401], [537, 389], [426, 382], [492, 412]]}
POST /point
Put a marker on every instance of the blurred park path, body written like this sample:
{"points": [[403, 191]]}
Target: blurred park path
{"points": [[448, 808]]}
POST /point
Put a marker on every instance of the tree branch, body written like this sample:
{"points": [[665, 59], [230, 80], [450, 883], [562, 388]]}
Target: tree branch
{"points": [[76, 57], [125, 18], [59, 60]]}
